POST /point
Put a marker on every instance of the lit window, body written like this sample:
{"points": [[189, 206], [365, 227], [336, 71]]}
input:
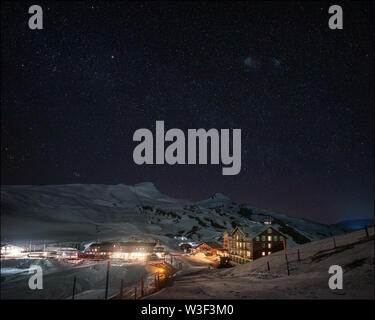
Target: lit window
{"points": [[269, 252], [269, 246], [269, 230], [269, 238], [263, 253]]}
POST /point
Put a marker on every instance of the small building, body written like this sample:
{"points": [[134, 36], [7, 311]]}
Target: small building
{"points": [[11, 250], [186, 247], [66, 253], [159, 250], [247, 244], [210, 248], [131, 250]]}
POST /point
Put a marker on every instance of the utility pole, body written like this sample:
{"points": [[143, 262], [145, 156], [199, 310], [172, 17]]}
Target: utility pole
{"points": [[156, 282], [74, 287], [121, 288], [106, 283]]}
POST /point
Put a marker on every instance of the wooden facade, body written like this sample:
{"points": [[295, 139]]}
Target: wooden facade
{"points": [[210, 248], [245, 246]]}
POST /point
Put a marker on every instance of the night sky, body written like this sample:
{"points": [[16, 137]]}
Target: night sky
{"points": [[73, 94]]}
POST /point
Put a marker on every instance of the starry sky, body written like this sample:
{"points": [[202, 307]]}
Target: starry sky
{"points": [[73, 94]]}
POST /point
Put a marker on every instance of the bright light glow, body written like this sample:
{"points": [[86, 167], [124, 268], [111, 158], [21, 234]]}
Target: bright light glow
{"points": [[11, 250]]}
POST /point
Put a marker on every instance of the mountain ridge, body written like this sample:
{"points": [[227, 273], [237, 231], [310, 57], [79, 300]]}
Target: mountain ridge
{"points": [[83, 212]]}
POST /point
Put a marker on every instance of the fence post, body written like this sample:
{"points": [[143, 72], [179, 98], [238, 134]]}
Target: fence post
{"points": [[286, 256], [299, 258], [142, 287], [156, 282], [121, 288], [106, 282], [367, 234], [74, 287], [268, 266]]}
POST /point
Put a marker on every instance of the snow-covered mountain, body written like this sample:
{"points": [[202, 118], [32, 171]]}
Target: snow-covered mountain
{"points": [[80, 212]]}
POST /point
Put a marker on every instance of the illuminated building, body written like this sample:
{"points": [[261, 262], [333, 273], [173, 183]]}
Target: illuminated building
{"points": [[247, 244]]}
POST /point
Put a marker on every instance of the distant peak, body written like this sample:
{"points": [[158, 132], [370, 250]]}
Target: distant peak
{"points": [[219, 196], [148, 184]]}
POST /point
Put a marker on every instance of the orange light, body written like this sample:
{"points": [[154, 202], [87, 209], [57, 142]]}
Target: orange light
{"points": [[161, 270]]}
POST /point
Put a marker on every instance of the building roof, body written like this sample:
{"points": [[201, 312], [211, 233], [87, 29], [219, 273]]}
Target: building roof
{"points": [[254, 230], [123, 244], [212, 244], [9, 244]]}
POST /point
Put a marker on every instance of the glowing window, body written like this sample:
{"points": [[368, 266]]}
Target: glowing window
{"points": [[269, 246], [269, 238], [263, 253]]}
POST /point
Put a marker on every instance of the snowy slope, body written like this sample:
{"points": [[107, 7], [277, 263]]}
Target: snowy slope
{"points": [[58, 277], [112, 212], [308, 277]]}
